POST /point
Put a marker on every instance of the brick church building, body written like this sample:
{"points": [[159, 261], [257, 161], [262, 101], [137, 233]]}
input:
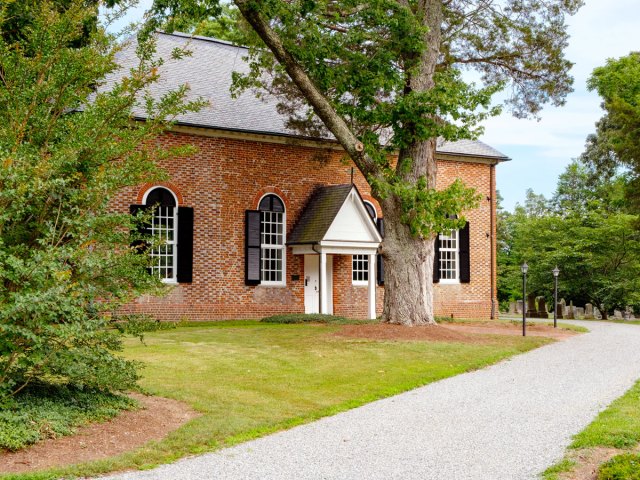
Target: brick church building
{"points": [[262, 220]]}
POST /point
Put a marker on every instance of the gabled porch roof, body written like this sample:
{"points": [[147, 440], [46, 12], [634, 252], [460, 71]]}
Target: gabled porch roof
{"points": [[335, 221]]}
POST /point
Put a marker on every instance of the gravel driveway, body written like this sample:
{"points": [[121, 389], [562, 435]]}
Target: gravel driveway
{"points": [[509, 421]]}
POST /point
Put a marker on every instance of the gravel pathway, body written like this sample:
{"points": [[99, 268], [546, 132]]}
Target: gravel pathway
{"points": [[509, 421]]}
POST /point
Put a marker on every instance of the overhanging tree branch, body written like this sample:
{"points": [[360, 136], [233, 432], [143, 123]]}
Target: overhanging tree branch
{"points": [[321, 106]]}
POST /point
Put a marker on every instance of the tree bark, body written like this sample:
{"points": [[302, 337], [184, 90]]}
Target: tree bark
{"points": [[408, 276]]}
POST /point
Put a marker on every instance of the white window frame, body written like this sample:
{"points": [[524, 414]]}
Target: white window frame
{"points": [[364, 272], [455, 251], [174, 243], [268, 246], [375, 212]]}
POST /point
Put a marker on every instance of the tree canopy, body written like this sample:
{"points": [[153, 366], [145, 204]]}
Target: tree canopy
{"points": [[584, 229], [616, 142]]}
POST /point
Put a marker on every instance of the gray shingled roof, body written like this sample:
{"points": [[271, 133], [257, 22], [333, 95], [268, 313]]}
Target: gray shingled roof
{"points": [[208, 71], [319, 213]]}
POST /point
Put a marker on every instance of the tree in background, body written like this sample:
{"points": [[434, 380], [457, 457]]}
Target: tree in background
{"points": [[67, 146], [384, 77], [586, 230], [227, 25], [616, 142]]}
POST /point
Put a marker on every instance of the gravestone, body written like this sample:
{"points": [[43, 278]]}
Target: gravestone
{"points": [[588, 312], [542, 308], [596, 313], [519, 307], [579, 312], [571, 314], [563, 306], [559, 310], [617, 314], [628, 314], [531, 306], [513, 308]]}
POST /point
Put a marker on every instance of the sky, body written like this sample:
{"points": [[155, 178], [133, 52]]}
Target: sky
{"points": [[541, 150]]}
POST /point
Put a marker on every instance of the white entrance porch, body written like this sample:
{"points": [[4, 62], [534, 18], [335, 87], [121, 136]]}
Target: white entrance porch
{"points": [[335, 222]]}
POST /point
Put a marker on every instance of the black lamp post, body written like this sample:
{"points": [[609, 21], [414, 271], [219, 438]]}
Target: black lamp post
{"points": [[556, 272], [524, 267]]}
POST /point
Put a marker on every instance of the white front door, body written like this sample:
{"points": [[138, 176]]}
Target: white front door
{"points": [[312, 284]]}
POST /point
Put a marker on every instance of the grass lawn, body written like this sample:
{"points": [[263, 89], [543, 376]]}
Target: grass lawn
{"points": [[249, 378], [616, 427]]}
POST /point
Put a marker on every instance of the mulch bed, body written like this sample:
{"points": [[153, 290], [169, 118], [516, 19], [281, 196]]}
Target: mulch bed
{"points": [[128, 431], [473, 333]]}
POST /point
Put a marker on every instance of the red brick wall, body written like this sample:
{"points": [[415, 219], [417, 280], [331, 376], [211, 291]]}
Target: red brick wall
{"points": [[228, 176], [471, 300]]}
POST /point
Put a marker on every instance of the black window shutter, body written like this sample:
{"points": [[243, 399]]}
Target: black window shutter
{"points": [[436, 259], [252, 251], [140, 245], [379, 259], [465, 258], [185, 245]]}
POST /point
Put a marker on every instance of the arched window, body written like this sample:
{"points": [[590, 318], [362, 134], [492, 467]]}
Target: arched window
{"points": [[164, 229], [371, 209], [272, 241], [360, 263]]}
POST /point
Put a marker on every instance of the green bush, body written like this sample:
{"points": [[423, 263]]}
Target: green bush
{"points": [[66, 151], [310, 318], [47, 411], [621, 467]]}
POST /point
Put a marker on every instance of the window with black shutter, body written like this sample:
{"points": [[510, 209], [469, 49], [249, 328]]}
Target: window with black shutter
{"points": [[252, 248], [272, 240], [380, 260], [464, 254], [436, 259], [184, 268], [164, 231]]}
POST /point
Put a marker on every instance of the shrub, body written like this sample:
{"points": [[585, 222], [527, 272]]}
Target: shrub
{"points": [[67, 148], [309, 318], [621, 467], [47, 411]]}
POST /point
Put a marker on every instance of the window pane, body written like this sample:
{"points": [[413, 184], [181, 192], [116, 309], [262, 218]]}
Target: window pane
{"points": [[360, 268], [272, 239], [449, 255]]}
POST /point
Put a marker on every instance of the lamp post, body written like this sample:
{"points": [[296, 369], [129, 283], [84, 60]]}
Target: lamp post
{"points": [[524, 267], [556, 272]]}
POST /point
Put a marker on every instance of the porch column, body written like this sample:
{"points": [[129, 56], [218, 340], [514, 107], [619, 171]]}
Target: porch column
{"points": [[324, 295], [372, 287]]}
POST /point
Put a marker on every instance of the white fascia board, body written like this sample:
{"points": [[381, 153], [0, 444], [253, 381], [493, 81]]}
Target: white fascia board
{"points": [[353, 214]]}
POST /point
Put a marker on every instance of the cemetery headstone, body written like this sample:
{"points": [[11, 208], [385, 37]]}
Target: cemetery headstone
{"points": [[532, 312], [571, 314], [588, 312], [542, 308]]}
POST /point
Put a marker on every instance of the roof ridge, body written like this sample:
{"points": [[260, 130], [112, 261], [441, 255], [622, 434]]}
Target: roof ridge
{"points": [[201, 38]]}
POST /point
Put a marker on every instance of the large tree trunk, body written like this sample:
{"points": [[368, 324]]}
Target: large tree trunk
{"points": [[408, 289], [408, 281]]}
